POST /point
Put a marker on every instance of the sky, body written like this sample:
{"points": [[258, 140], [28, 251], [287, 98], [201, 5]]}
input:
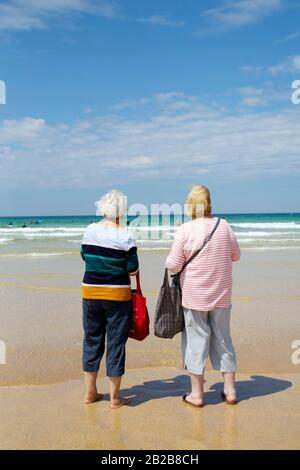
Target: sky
{"points": [[150, 97]]}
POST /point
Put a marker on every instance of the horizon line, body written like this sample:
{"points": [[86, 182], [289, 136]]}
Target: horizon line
{"points": [[145, 215]]}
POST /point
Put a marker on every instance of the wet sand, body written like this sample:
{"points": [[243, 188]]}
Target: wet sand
{"points": [[53, 416], [41, 387]]}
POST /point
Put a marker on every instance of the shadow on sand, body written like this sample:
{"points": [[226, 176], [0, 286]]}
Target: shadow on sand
{"points": [[256, 386]]}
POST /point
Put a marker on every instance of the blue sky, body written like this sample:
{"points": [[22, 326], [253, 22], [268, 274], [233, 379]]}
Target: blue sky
{"points": [[150, 97]]}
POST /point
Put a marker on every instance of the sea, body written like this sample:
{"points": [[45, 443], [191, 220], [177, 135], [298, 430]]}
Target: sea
{"points": [[40, 236]]}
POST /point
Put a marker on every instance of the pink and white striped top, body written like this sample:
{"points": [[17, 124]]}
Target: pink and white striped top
{"points": [[207, 281]]}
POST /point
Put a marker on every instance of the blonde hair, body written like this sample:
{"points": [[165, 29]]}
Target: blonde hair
{"points": [[198, 202], [112, 205]]}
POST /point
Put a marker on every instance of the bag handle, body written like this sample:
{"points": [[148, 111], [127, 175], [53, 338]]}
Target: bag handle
{"points": [[138, 283], [199, 249], [166, 278]]}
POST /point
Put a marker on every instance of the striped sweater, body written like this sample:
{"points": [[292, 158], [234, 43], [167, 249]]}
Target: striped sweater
{"points": [[110, 254], [207, 281]]}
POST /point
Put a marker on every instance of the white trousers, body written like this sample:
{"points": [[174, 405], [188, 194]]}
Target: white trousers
{"points": [[207, 334]]}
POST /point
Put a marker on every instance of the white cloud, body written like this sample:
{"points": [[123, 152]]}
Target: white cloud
{"points": [[31, 14], [238, 13], [252, 96], [161, 20], [27, 129], [131, 104], [296, 63], [290, 37], [277, 69], [165, 97], [263, 96], [252, 69], [290, 65], [172, 100], [171, 143]]}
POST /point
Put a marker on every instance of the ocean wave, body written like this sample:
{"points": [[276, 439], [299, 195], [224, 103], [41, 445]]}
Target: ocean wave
{"points": [[152, 228], [145, 228], [165, 242], [49, 235], [266, 225], [270, 240], [41, 229], [39, 255], [270, 248], [259, 233], [6, 240], [154, 249]]}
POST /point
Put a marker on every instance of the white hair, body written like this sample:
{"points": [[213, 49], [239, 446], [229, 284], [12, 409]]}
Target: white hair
{"points": [[112, 205]]}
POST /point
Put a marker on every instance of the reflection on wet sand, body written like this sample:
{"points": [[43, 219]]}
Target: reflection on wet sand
{"points": [[156, 416]]}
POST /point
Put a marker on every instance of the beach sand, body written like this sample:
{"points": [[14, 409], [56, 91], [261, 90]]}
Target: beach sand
{"points": [[53, 416], [41, 388]]}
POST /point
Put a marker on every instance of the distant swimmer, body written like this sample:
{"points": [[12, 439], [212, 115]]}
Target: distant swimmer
{"points": [[24, 226], [10, 224]]}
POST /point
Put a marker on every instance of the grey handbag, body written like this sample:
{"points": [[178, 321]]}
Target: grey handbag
{"points": [[169, 320]]}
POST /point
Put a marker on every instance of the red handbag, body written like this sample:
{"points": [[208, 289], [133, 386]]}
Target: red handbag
{"points": [[139, 328]]}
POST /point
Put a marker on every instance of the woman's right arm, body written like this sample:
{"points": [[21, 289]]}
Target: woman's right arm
{"points": [[81, 247], [82, 254], [176, 258]]}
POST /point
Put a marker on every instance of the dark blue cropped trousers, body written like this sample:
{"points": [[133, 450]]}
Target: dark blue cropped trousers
{"points": [[105, 321]]}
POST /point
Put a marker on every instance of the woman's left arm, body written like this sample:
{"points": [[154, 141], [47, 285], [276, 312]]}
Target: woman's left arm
{"points": [[235, 249], [132, 261]]}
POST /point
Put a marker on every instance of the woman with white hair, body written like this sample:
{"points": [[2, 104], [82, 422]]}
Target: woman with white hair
{"points": [[110, 256]]}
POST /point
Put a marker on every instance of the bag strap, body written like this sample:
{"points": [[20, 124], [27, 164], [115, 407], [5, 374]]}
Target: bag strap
{"points": [[166, 278], [199, 249], [138, 283]]}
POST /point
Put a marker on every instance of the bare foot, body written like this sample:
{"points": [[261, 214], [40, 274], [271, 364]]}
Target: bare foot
{"points": [[92, 397], [230, 394], [118, 403], [194, 401]]}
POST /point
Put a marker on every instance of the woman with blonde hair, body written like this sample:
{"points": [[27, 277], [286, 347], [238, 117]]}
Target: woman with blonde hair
{"points": [[110, 256], [206, 285]]}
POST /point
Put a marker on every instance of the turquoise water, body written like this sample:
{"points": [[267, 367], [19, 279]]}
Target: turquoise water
{"points": [[58, 236]]}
